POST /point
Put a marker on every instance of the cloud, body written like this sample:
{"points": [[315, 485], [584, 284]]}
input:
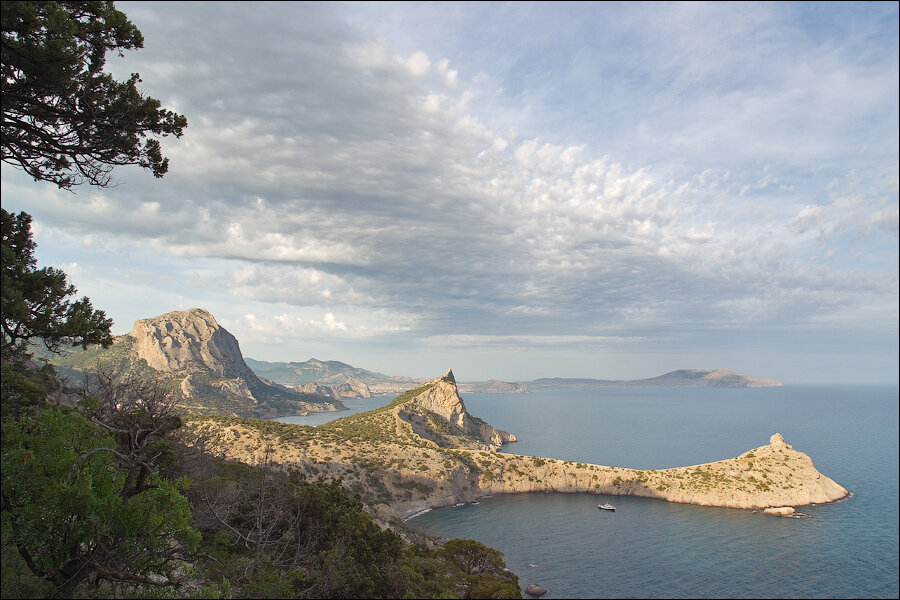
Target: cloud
{"points": [[309, 325], [349, 188], [530, 342]]}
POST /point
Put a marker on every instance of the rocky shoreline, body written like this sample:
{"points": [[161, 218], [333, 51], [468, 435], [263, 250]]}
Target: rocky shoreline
{"points": [[430, 453]]}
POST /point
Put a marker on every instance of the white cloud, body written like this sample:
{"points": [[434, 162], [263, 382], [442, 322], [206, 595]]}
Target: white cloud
{"points": [[808, 217], [357, 189]]}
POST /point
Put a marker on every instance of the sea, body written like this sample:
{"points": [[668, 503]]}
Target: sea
{"points": [[650, 548]]}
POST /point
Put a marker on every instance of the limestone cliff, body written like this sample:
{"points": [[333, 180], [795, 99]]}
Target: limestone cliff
{"points": [[314, 388], [201, 363], [349, 389], [189, 340], [442, 399], [352, 388]]}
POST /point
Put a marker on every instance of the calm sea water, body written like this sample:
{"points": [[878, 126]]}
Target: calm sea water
{"points": [[654, 549], [356, 405]]}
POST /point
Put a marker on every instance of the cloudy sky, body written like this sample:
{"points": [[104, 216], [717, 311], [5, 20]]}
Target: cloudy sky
{"points": [[512, 190]]}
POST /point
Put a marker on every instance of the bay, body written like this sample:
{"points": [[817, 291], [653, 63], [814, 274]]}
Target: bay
{"points": [[655, 549], [354, 405]]}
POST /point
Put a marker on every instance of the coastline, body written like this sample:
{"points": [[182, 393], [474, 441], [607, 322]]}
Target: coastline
{"points": [[397, 480]]}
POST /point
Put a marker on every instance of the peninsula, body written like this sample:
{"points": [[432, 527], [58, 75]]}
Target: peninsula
{"points": [[424, 450]]}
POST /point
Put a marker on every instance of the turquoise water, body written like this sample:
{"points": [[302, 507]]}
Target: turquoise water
{"points": [[654, 549]]}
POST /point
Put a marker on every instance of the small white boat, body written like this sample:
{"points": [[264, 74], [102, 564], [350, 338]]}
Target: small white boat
{"points": [[460, 504], [606, 506]]}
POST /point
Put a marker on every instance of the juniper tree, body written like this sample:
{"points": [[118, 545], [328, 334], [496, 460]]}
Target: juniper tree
{"points": [[36, 303], [65, 120]]}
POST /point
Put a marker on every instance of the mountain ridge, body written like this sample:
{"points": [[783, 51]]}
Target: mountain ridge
{"points": [[331, 372], [200, 363]]}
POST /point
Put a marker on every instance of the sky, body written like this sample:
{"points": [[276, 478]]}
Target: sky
{"points": [[511, 190]]}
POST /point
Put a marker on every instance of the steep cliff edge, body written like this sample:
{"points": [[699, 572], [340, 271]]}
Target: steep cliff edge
{"points": [[442, 399], [189, 340]]}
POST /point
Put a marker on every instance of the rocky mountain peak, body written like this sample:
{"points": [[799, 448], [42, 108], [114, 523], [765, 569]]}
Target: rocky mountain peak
{"points": [[442, 398], [189, 340]]}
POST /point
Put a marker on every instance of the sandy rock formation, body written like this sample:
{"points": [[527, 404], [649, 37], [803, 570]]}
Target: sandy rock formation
{"points": [[205, 360], [535, 590], [314, 388], [351, 388], [780, 511], [442, 398]]}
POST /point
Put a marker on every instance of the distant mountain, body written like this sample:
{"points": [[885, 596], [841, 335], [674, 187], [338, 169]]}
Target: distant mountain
{"points": [[201, 363], [331, 373], [492, 386], [680, 378]]}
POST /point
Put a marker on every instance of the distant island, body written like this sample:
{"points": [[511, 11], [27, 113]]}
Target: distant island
{"points": [[720, 378]]}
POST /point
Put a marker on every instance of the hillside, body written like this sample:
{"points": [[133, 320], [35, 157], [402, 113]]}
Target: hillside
{"points": [[424, 450], [331, 373], [200, 362]]}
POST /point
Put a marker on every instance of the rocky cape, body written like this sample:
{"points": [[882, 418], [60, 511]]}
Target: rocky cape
{"points": [[424, 450], [201, 363]]}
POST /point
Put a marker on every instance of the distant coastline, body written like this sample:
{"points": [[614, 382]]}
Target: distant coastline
{"points": [[333, 372]]}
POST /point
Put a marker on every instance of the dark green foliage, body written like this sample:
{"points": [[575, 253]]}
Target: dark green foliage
{"points": [[35, 302], [266, 532], [69, 511], [23, 385], [481, 570], [273, 534], [64, 120]]}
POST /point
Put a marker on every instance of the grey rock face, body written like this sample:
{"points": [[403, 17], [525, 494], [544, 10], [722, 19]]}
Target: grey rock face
{"points": [[189, 346], [189, 340], [352, 388], [535, 590]]}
